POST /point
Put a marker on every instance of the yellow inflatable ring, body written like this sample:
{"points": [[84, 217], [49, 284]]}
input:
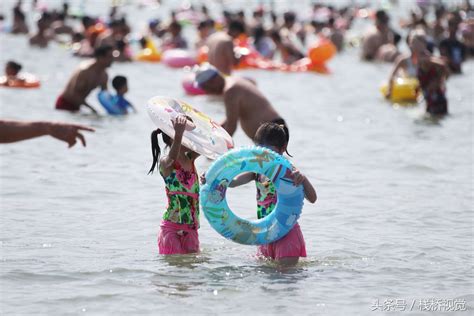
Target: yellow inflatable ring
{"points": [[404, 90]]}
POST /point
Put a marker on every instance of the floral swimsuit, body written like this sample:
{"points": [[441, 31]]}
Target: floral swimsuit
{"points": [[266, 196], [182, 190]]}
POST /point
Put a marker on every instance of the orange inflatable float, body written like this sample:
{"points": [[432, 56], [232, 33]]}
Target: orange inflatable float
{"points": [[202, 54], [322, 52], [23, 81]]}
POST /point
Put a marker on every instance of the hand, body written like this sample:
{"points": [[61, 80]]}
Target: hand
{"points": [[298, 177], [68, 132], [179, 125]]}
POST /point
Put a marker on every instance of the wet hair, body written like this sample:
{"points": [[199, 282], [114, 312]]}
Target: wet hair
{"points": [[382, 16], [271, 134], [155, 147], [119, 82], [289, 17], [46, 17], [14, 65], [258, 33], [176, 26], [102, 51], [236, 26], [202, 25], [87, 21]]}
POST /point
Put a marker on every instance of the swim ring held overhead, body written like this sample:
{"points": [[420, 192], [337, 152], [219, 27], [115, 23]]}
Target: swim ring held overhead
{"points": [[22, 81], [404, 90], [259, 160], [202, 135]]}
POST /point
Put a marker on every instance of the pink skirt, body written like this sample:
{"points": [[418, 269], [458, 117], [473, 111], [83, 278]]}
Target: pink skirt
{"points": [[177, 239], [292, 245]]}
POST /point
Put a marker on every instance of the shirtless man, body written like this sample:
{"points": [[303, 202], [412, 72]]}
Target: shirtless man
{"points": [[377, 37], [221, 48], [243, 101], [89, 76]]}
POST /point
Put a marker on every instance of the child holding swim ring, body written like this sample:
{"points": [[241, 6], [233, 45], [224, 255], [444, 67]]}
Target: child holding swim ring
{"points": [[178, 230], [288, 249]]}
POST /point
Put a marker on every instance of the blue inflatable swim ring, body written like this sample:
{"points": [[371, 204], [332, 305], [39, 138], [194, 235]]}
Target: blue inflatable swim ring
{"points": [[109, 102], [257, 160]]}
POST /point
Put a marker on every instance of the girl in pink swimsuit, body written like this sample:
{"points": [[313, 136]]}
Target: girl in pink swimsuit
{"points": [[179, 227], [288, 249]]}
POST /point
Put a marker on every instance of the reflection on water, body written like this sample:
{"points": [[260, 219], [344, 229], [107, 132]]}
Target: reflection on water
{"points": [[190, 261]]}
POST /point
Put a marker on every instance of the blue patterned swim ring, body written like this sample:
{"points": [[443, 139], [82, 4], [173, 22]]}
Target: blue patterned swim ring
{"points": [[257, 160]]}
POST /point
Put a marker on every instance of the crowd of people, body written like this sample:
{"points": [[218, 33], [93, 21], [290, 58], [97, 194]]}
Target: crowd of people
{"points": [[448, 39], [437, 49]]}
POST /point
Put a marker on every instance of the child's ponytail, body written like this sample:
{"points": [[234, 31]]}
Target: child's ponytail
{"points": [[155, 149]]}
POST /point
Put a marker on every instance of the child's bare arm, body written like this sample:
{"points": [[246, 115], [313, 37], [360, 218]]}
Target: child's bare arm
{"points": [[395, 69], [242, 179], [309, 191], [167, 161]]}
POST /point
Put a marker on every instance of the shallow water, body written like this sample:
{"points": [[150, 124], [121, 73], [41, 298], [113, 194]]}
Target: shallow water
{"points": [[393, 218]]}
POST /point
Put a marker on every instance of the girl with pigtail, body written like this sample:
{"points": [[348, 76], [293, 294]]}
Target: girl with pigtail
{"points": [[178, 229]]}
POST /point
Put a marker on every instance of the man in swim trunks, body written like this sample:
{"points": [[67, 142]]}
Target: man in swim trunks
{"points": [[243, 101], [89, 76]]}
